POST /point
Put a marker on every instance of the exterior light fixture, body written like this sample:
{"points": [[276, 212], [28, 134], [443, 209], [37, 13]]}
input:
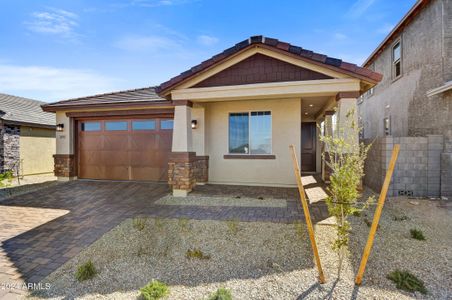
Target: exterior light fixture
{"points": [[60, 127], [311, 105], [194, 124]]}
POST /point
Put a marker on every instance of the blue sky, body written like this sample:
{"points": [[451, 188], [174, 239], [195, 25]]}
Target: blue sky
{"points": [[52, 49]]}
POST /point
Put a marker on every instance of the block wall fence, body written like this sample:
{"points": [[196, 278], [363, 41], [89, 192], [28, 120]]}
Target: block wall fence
{"points": [[423, 168]]}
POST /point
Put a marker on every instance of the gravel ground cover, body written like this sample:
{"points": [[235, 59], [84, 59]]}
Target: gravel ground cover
{"points": [[258, 260], [222, 201]]}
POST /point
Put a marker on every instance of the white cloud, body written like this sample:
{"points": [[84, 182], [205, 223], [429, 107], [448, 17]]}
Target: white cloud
{"points": [[359, 8], [207, 40], [49, 83], [54, 21], [151, 43], [340, 36], [150, 3]]}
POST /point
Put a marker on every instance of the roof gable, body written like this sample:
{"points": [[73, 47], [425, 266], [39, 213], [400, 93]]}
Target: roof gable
{"points": [[260, 68], [272, 45]]}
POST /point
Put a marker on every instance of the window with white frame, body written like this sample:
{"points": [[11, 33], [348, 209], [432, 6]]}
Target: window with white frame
{"points": [[396, 60], [250, 132]]}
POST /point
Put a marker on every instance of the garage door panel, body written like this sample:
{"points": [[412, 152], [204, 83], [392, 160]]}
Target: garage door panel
{"points": [[90, 157], [117, 172], [115, 142], [146, 141], [93, 172], [148, 173], [140, 154], [149, 158], [91, 142]]}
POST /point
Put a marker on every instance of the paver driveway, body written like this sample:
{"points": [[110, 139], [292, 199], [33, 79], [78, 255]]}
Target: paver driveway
{"points": [[42, 230]]}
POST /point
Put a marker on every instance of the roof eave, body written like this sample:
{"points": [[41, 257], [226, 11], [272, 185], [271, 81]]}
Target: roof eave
{"points": [[166, 91], [55, 107], [406, 18]]}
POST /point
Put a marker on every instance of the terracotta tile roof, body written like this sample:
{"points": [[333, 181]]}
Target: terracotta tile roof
{"points": [[24, 111], [145, 95], [329, 62]]}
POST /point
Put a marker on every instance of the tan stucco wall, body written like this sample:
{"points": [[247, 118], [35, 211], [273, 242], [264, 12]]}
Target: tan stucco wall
{"points": [[37, 146], [285, 131], [65, 138]]}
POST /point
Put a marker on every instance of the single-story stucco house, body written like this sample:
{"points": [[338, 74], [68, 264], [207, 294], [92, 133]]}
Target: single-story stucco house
{"points": [[228, 120], [27, 136]]}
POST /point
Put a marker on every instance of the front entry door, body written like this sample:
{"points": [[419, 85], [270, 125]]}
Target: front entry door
{"points": [[308, 147]]}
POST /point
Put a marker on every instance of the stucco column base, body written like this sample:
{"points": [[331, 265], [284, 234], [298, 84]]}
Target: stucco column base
{"points": [[64, 179], [180, 193]]}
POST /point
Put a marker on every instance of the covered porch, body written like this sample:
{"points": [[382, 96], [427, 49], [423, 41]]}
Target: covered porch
{"points": [[244, 140], [237, 113]]}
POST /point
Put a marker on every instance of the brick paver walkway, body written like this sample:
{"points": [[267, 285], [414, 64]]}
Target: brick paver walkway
{"points": [[42, 230]]}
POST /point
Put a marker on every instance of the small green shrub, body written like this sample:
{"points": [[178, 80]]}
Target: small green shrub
{"points": [[233, 226], [154, 290], [260, 198], [401, 218], [196, 253], [183, 223], [406, 281], [221, 294], [238, 197], [356, 213], [139, 223], [158, 223], [6, 178], [86, 271], [299, 229], [417, 234]]}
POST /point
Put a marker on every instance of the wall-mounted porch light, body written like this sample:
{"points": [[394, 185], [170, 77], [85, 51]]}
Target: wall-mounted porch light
{"points": [[194, 124], [60, 127]]}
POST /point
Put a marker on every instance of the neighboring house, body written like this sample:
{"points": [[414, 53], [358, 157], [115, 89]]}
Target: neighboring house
{"points": [[412, 105], [27, 136], [228, 120]]}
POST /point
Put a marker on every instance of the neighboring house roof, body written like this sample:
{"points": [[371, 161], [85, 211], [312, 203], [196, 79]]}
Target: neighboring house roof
{"points": [[142, 96], [23, 111], [296, 51], [407, 19]]}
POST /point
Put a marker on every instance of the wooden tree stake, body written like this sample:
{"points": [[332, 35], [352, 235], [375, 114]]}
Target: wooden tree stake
{"points": [[307, 215], [381, 202]]}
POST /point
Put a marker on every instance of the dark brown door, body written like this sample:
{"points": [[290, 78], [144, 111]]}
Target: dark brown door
{"points": [[308, 147], [124, 149]]}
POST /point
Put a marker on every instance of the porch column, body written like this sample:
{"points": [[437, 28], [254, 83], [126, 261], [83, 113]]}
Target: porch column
{"points": [[201, 166], [328, 131], [180, 166], [347, 111], [64, 159]]}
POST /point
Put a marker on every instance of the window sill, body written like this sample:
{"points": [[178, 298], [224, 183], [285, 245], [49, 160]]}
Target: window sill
{"points": [[249, 156]]}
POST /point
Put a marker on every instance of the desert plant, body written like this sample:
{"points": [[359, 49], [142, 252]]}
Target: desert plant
{"points": [[6, 178], [196, 253], [344, 157], [406, 281], [299, 229], [154, 290], [417, 234], [139, 223], [183, 223], [233, 226], [401, 218], [86, 271], [221, 294], [158, 222]]}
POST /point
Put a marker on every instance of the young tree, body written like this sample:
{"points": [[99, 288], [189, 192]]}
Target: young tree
{"points": [[344, 156]]}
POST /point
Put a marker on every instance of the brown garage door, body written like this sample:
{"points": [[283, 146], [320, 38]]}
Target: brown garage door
{"points": [[124, 149]]}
